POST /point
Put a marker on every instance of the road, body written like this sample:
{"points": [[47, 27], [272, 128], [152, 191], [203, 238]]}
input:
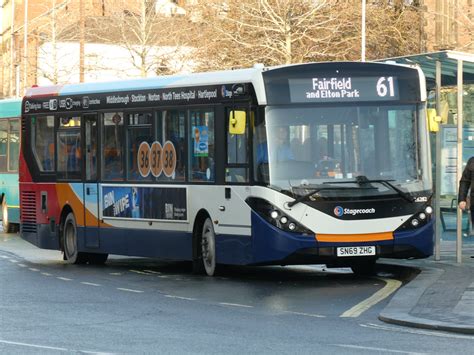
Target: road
{"points": [[138, 305]]}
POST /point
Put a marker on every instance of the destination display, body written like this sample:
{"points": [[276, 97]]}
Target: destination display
{"points": [[131, 99], [144, 202], [321, 89]]}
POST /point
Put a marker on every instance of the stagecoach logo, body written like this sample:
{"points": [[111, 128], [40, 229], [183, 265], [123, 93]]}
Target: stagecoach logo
{"points": [[339, 211], [32, 106]]}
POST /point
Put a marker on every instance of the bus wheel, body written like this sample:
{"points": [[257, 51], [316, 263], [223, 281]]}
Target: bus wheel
{"points": [[364, 267], [71, 253], [7, 226], [208, 247]]}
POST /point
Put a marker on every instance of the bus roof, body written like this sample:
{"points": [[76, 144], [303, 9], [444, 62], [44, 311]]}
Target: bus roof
{"points": [[162, 82], [10, 108], [250, 75]]}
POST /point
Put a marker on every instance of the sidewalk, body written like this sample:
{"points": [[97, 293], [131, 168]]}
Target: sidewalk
{"points": [[441, 297]]}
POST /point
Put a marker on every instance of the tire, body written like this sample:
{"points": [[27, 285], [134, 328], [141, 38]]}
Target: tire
{"points": [[7, 226], [69, 234], [364, 267], [207, 248]]}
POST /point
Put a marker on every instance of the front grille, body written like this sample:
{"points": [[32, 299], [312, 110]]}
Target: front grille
{"points": [[28, 211]]}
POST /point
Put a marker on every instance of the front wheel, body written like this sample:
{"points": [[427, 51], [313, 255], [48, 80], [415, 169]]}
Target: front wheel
{"points": [[208, 247]]}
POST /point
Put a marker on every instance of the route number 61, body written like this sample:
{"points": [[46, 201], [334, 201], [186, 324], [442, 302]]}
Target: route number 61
{"points": [[385, 86]]}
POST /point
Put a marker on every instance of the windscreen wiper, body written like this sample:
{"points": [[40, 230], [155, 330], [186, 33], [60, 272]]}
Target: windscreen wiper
{"points": [[364, 181], [323, 188]]}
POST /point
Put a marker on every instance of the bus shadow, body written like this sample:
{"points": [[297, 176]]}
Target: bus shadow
{"points": [[298, 274]]}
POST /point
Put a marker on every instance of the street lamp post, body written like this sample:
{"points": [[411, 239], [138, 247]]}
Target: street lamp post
{"points": [[363, 32]]}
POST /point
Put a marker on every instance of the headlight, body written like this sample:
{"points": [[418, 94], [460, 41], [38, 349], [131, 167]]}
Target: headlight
{"points": [[418, 220], [275, 216]]}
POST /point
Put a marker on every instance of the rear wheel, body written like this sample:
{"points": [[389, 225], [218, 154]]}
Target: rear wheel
{"points": [[71, 252], [364, 267]]}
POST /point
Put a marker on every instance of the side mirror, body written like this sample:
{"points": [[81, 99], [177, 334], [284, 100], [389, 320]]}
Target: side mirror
{"points": [[237, 121], [433, 120]]}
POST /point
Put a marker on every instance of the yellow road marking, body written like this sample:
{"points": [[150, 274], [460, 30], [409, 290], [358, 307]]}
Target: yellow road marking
{"points": [[390, 287]]}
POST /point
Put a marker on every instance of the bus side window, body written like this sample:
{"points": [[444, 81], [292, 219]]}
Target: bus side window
{"points": [[171, 128], [113, 145], [3, 145], [14, 145], [139, 130], [201, 145], [42, 142], [69, 147]]}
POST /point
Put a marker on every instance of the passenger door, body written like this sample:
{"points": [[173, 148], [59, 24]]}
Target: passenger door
{"points": [[233, 209], [91, 187]]}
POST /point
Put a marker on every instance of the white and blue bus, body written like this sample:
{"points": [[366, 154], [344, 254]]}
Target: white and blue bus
{"points": [[319, 163]]}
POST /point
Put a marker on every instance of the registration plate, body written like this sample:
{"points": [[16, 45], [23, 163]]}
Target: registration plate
{"points": [[356, 251]]}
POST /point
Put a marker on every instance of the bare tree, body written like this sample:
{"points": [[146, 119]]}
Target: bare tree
{"points": [[392, 29], [237, 33], [48, 30], [240, 33], [150, 36]]}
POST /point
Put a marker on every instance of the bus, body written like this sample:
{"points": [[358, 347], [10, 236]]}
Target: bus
{"points": [[10, 112], [317, 163]]}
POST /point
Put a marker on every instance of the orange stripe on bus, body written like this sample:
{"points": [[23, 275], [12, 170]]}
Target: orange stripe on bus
{"points": [[368, 237]]}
